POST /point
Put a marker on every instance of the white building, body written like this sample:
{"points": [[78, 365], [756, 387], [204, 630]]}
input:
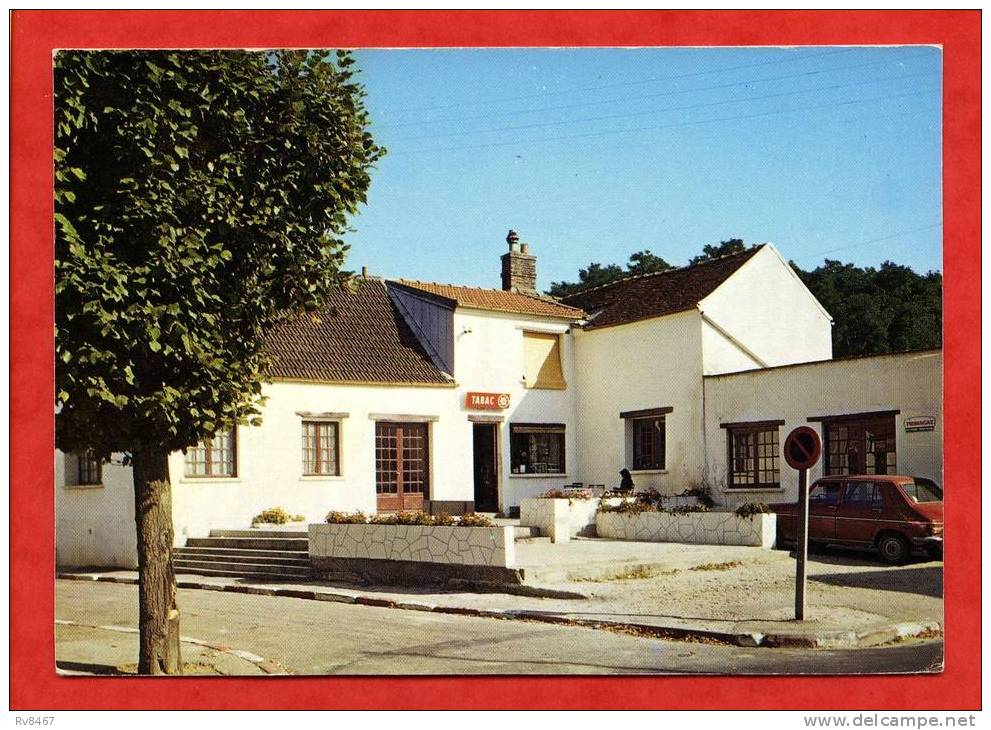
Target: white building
{"points": [[409, 395]]}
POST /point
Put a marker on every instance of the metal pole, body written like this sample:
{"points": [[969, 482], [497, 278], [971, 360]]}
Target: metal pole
{"points": [[801, 543]]}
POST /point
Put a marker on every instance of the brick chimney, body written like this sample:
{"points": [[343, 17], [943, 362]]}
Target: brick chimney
{"points": [[519, 267]]}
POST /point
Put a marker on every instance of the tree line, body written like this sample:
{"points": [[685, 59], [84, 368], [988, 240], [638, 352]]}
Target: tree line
{"points": [[890, 308]]}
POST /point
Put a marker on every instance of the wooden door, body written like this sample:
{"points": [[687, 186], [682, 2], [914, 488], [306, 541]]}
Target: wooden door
{"points": [[401, 466]]}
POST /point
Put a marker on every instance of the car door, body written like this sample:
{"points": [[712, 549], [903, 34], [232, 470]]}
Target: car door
{"points": [[859, 511], [823, 499]]}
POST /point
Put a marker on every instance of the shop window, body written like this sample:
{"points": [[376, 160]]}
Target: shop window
{"points": [[753, 457], [321, 456], [860, 445], [213, 457], [649, 443], [537, 448], [542, 361]]}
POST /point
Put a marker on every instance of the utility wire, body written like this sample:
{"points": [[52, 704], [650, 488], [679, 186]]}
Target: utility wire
{"points": [[614, 100], [659, 127], [628, 115], [882, 238], [577, 89]]}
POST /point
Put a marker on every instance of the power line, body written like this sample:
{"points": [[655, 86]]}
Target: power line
{"points": [[576, 89], [562, 107], [628, 115], [882, 238], [658, 127]]}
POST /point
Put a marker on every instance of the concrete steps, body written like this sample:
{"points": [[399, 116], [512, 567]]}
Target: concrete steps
{"points": [[272, 554]]}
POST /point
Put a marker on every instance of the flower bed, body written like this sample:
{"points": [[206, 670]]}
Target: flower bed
{"points": [[697, 527]]}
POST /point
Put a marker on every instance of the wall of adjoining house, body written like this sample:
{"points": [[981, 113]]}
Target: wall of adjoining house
{"points": [[763, 310], [908, 382], [654, 363]]}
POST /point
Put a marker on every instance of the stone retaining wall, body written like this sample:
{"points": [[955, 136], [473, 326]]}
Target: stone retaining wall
{"points": [[483, 546], [696, 528]]}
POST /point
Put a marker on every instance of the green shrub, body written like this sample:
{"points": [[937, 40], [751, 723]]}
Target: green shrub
{"points": [[346, 518], [475, 520], [445, 520], [271, 516], [685, 510], [702, 493], [749, 509], [634, 508], [299, 518]]}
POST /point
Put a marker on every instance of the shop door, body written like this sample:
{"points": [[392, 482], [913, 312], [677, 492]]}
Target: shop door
{"points": [[485, 461], [402, 465]]}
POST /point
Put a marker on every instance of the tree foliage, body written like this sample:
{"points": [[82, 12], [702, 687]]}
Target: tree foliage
{"points": [[723, 248], [595, 274], [200, 196], [876, 311]]}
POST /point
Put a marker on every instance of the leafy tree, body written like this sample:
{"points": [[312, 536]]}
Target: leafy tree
{"points": [[593, 275], [876, 311], [644, 262], [200, 196], [725, 248]]}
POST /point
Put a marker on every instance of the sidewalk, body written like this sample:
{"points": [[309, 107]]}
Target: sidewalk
{"points": [[852, 603], [82, 649]]}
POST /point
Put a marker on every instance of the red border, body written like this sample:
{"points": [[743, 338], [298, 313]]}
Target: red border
{"points": [[33, 685]]}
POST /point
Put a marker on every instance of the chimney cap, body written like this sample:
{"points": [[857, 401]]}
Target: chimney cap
{"points": [[512, 237]]}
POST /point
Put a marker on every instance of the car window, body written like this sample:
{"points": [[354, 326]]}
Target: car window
{"points": [[825, 493], [862, 494], [923, 490]]}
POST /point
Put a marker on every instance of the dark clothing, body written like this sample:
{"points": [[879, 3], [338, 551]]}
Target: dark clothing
{"points": [[626, 483]]}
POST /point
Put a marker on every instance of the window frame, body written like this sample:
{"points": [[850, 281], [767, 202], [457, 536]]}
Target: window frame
{"points": [[85, 476], [527, 429], [320, 424], [754, 429], [207, 445], [657, 445]]}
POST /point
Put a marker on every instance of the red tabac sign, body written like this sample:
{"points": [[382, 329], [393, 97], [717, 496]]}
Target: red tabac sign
{"points": [[487, 401]]}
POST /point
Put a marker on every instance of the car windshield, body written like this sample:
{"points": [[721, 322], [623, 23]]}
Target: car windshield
{"points": [[923, 490]]}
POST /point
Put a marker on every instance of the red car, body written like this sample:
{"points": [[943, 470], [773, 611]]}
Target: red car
{"points": [[891, 513]]}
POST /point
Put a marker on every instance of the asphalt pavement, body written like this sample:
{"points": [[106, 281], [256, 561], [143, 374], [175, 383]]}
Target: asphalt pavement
{"points": [[316, 637]]}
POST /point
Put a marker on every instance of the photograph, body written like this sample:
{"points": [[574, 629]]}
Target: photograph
{"points": [[492, 360]]}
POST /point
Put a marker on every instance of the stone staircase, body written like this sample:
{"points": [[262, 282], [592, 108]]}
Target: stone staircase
{"points": [[520, 533], [271, 554]]}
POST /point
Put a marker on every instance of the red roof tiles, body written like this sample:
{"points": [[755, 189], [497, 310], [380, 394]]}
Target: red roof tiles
{"points": [[357, 337], [655, 295], [497, 300]]}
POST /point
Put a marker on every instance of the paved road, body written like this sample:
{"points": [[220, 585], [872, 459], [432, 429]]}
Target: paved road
{"points": [[315, 637]]}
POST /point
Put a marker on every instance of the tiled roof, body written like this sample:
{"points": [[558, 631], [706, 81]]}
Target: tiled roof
{"points": [[497, 300], [356, 337], [654, 295]]}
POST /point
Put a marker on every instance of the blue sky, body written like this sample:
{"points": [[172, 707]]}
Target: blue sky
{"points": [[592, 154]]}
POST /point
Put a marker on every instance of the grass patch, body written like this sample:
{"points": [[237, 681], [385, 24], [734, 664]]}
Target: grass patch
{"points": [[718, 566], [634, 572]]}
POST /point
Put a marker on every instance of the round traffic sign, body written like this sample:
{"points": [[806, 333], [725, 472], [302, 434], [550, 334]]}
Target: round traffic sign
{"points": [[802, 448]]}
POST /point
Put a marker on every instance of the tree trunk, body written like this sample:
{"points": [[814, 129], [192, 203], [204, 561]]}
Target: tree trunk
{"points": [[158, 614]]}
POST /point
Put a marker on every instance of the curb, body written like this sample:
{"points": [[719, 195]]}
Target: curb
{"points": [[268, 666], [777, 640]]}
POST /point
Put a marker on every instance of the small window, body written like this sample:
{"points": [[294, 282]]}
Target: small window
{"points": [[825, 493], [89, 470], [213, 457], [537, 448], [320, 452], [542, 361], [863, 494], [753, 454], [648, 443]]}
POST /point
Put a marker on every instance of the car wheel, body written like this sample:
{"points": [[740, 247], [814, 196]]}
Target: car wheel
{"points": [[894, 548]]}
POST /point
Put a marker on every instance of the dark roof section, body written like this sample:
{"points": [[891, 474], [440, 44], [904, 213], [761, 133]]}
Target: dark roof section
{"points": [[357, 337], [655, 295], [497, 300]]}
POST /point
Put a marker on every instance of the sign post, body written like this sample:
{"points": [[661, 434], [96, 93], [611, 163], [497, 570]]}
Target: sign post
{"points": [[802, 450]]}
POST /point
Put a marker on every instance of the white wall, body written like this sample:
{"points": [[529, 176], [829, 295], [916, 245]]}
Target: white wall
{"points": [[763, 315], [910, 383], [489, 358], [649, 364], [94, 524]]}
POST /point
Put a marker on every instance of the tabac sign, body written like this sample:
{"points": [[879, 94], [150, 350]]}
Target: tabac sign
{"points": [[920, 423], [487, 401]]}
